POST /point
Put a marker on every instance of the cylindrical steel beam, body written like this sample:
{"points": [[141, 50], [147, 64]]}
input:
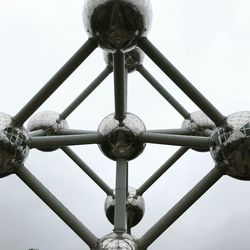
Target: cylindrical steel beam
{"points": [[64, 140], [100, 78], [177, 140], [168, 97], [39, 132], [170, 162], [180, 131], [43, 193], [44, 93], [185, 85], [88, 170], [186, 202], [74, 132], [120, 219], [120, 85]]}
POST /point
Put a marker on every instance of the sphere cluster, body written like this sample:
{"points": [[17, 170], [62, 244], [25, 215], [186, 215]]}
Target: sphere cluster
{"points": [[133, 58], [117, 24], [230, 145], [115, 241], [121, 141], [13, 145], [135, 207], [49, 121]]}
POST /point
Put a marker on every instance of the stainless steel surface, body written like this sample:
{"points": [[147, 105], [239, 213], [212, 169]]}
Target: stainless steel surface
{"points": [[200, 125], [50, 122], [115, 241], [230, 145], [133, 58], [13, 145], [135, 208], [117, 24], [121, 190], [176, 140], [41, 142], [121, 142], [120, 86], [119, 27]]}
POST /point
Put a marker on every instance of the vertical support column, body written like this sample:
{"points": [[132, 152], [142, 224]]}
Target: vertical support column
{"points": [[120, 220], [120, 85]]}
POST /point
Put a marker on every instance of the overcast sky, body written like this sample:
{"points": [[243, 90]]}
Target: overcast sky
{"points": [[208, 41]]}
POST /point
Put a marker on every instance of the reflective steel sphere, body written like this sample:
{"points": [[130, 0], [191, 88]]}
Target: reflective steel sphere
{"points": [[121, 141], [49, 121], [116, 24], [115, 241], [200, 125], [230, 145], [133, 58], [13, 145], [135, 208]]}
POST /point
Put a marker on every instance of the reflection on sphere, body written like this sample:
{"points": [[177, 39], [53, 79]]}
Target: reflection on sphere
{"points": [[117, 24], [13, 145], [135, 206], [121, 141], [117, 242], [200, 125], [230, 145], [133, 58], [49, 121]]}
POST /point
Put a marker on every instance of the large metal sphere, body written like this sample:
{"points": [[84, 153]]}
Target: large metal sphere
{"points": [[121, 141], [116, 24], [13, 145], [133, 58], [135, 208], [115, 241], [230, 145], [49, 121], [200, 125]]}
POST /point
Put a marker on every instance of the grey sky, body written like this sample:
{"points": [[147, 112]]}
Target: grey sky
{"points": [[208, 41]]}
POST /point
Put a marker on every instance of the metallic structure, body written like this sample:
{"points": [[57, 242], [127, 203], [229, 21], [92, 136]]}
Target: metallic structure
{"points": [[120, 28]]}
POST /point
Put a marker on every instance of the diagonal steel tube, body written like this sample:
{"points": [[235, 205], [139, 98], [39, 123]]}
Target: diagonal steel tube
{"points": [[184, 204], [64, 140], [120, 85], [88, 170], [168, 97], [177, 140], [44, 93], [100, 78], [180, 131], [185, 85], [120, 219], [170, 162], [62, 212]]}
